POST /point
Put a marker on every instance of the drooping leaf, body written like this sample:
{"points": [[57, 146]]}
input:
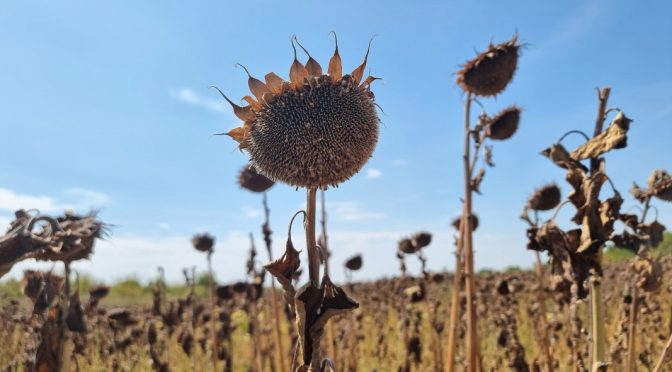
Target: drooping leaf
{"points": [[615, 137], [559, 155]]}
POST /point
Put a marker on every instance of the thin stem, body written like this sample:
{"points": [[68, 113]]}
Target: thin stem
{"points": [[331, 331], [630, 363], [543, 326], [266, 230], [455, 305], [472, 337], [663, 355], [213, 331], [313, 254], [574, 132]]}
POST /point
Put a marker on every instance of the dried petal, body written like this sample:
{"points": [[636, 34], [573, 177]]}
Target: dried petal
{"points": [[335, 69], [257, 87], [274, 82], [358, 73], [297, 73]]}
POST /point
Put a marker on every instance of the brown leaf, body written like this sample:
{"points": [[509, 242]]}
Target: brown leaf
{"points": [[284, 269], [639, 193], [615, 137], [660, 184], [649, 273], [476, 182], [610, 212], [559, 155]]}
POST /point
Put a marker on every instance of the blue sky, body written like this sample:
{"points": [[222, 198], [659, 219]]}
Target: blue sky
{"points": [[107, 106]]}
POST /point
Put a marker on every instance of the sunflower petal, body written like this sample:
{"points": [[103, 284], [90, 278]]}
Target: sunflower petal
{"points": [[257, 87], [335, 69], [358, 73], [297, 73], [243, 113], [256, 106], [312, 66], [238, 134], [369, 80], [274, 82]]}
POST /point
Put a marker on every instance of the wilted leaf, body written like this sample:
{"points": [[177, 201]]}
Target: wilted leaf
{"points": [[284, 269], [559, 155], [649, 273], [476, 182], [615, 137]]}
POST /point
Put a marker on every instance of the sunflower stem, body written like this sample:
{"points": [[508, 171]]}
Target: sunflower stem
{"points": [[455, 304], [279, 344], [597, 316], [211, 291], [313, 255], [472, 336], [331, 331]]}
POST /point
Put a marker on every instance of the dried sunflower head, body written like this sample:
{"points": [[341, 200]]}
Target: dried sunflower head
{"points": [[316, 130], [545, 198], [660, 183], [203, 242], [354, 263], [251, 180], [504, 124], [491, 71]]}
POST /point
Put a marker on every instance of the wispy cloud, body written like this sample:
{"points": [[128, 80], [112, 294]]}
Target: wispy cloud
{"points": [[351, 211], [88, 198], [79, 198], [12, 201], [373, 173], [252, 212], [189, 96]]}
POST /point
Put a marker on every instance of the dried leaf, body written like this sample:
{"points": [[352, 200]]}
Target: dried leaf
{"points": [[238, 134], [559, 155], [284, 269], [615, 137], [660, 184], [649, 273], [639, 193], [476, 182]]}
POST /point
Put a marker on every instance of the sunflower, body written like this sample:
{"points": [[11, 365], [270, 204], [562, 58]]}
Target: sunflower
{"points": [[315, 130], [491, 71]]}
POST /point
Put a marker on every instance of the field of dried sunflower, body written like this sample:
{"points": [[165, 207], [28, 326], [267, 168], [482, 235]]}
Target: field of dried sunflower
{"points": [[578, 311]]}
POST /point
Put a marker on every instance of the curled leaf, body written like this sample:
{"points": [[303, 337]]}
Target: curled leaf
{"points": [[615, 137], [559, 155], [476, 182]]}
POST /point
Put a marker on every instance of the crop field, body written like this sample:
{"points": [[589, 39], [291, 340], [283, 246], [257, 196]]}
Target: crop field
{"points": [[582, 205]]}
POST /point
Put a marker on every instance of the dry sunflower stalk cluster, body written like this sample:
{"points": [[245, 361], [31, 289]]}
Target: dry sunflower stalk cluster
{"points": [[315, 131]]}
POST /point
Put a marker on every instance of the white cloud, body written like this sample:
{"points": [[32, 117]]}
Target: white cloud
{"points": [[79, 198], [88, 198], [12, 201], [351, 211], [252, 212], [372, 173], [188, 96]]}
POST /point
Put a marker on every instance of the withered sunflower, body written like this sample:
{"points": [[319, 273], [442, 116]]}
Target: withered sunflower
{"points": [[491, 71], [315, 130]]}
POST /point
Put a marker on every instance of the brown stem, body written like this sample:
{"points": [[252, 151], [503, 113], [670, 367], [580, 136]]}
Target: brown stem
{"points": [[455, 304], [543, 326], [630, 362], [663, 355], [598, 330], [213, 330], [472, 336], [313, 255], [331, 331], [280, 347]]}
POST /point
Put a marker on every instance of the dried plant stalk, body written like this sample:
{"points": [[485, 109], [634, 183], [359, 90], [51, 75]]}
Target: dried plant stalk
{"points": [[599, 337]]}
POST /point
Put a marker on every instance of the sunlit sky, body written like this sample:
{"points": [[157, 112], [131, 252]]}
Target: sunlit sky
{"points": [[106, 106]]}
